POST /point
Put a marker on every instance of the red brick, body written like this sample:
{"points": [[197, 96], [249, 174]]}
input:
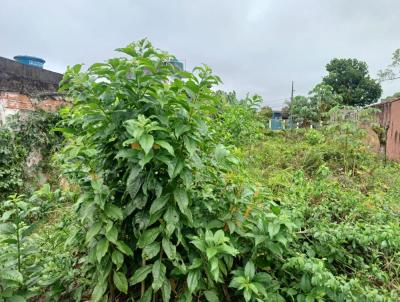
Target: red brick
{"points": [[11, 100]]}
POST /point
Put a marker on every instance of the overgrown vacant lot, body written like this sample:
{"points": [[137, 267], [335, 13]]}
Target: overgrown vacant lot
{"points": [[162, 189]]}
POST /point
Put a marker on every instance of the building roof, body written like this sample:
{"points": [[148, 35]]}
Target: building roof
{"points": [[26, 79]]}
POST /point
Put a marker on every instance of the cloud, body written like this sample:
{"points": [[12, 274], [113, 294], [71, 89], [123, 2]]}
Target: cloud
{"points": [[256, 46]]}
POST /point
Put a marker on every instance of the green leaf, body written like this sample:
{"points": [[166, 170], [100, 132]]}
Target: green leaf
{"points": [[220, 152], [138, 202], [249, 270], [11, 275], [187, 177], [112, 211], [148, 157], [228, 249], [211, 252], [99, 291], [101, 249], [134, 181], [146, 141], [9, 241], [151, 250], [169, 249], [93, 231], [273, 229], [147, 295], [112, 234], [166, 290], [238, 282], [16, 298], [193, 280], [211, 295], [180, 129], [214, 264], [310, 298], [7, 215], [171, 217], [126, 153], [120, 282], [200, 244], [166, 146], [140, 274], [247, 294], [219, 237], [117, 258], [124, 248], [133, 129], [158, 204], [190, 145], [158, 272], [181, 199], [7, 228], [196, 263], [175, 167], [148, 237]]}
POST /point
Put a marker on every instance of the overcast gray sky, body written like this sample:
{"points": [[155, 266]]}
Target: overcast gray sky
{"points": [[256, 46]]}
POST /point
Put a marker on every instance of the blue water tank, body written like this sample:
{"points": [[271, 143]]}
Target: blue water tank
{"points": [[29, 60]]}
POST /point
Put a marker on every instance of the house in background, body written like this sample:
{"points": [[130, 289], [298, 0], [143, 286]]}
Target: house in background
{"points": [[26, 86], [280, 120], [275, 122]]}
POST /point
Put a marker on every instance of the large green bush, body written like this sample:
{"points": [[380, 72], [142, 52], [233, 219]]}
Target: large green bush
{"points": [[167, 214], [153, 196]]}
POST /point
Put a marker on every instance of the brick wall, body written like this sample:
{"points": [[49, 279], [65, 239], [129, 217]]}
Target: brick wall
{"points": [[393, 138], [13, 102], [390, 115]]}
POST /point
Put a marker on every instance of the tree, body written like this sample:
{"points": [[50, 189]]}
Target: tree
{"points": [[302, 111], [350, 79], [323, 99], [395, 96], [285, 112], [266, 113], [392, 71], [314, 108]]}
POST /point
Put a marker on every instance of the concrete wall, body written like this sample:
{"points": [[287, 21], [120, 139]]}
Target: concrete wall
{"points": [[27, 80]]}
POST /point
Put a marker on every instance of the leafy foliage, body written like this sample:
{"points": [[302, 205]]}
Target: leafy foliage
{"points": [[349, 78], [167, 214], [168, 206], [391, 72], [12, 157], [18, 138], [34, 130], [395, 96], [17, 262], [314, 108], [237, 121], [140, 135], [266, 113]]}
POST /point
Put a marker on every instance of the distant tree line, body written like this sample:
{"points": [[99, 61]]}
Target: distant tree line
{"points": [[347, 83]]}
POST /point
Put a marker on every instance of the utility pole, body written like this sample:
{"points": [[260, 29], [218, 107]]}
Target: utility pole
{"points": [[292, 93], [290, 105]]}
